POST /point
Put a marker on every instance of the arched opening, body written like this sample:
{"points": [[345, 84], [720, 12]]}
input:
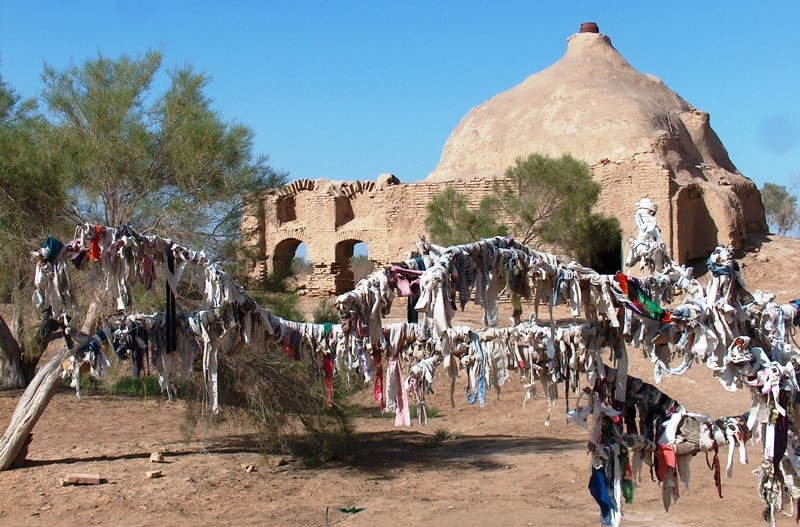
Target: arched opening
{"points": [[301, 266], [284, 256], [350, 253], [360, 263]]}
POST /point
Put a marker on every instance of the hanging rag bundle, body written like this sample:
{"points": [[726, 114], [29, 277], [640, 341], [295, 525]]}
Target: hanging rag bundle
{"points": [[639, 301]]}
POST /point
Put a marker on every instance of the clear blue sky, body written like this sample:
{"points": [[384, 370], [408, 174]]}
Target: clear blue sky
{"points": [[348, 90]]}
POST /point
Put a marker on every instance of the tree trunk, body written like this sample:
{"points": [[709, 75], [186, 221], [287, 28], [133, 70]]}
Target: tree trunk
{"points": [[91, 315], [17, 301], [16, 321], [14, 444], [12, 375]]}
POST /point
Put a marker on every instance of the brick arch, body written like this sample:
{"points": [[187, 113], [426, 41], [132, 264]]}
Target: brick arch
{"points": [[346, 189], [341, 268], [359, 235], [296, 187], [283, 254]]}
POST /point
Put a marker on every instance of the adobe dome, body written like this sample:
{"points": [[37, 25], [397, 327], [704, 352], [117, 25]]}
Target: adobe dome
{"points": [[627, 126], [591, 103]]}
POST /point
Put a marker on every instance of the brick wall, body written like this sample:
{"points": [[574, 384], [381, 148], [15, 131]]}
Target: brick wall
{"points": [[331, 217]]}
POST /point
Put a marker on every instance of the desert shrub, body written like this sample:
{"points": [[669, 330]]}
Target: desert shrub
{"points": [[145, 386], [430, 412], [438, 437], [283, 402], [362, 267], [301, 267], [283, 304], [326, 312]]}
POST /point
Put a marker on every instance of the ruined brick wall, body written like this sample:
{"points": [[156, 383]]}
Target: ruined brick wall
{"points": [[330, 218], [625, 182]]}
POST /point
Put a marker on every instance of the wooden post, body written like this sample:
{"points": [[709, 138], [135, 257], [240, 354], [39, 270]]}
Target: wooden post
{"points": [[29, 409]]}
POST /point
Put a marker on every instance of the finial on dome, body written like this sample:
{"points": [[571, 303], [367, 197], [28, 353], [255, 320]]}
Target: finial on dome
{"points": [[589, 27]]}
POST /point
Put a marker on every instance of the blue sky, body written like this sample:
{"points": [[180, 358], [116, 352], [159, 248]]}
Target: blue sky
{"points": [[348, 90]]}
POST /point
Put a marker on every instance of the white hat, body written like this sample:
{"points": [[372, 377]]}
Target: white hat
{"points": [[647, 203]]}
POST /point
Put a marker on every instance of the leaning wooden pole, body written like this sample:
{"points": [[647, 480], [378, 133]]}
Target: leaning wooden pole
{"points": [[14, 445]]}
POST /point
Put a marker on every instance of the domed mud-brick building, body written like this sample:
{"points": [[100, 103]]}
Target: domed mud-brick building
{"points": [[638, 137]]}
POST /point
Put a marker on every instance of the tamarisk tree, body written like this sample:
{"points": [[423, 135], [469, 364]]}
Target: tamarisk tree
{"points": [[32, 192], [118, 152], [165, 163], [539, 200]]}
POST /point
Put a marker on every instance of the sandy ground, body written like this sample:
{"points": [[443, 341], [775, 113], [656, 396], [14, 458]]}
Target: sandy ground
{"points": [[501, 467]]}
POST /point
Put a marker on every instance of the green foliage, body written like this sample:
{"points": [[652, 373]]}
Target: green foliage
{"points": [[285, 305], [301, 267], [436, 440], [167, 163], [121, 153], [543, 200], [30, 345], [543, 196], [238, 260], [273, 283], [32, 189], [284, 402], [326, 312], [431, 412], [118, 381], [146, 386], [32, 192], [377, 413], [550, 201], [362, 267], [780, 208], [450, 221], [594, 241], [147, 302], [274, 294]]}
